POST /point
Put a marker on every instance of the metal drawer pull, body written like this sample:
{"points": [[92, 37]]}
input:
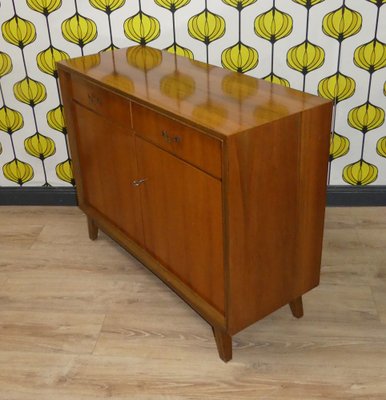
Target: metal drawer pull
{"points": [[171, 139], [93, 99], [138, 182]]}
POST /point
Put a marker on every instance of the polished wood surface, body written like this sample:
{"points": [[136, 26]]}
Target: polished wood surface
{"points": [[215, 180], [276, 198], [213, 98], [83, 320], [263, 221]]}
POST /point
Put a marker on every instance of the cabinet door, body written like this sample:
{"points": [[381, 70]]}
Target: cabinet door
{"points": [[182, 215], [108, 168]]}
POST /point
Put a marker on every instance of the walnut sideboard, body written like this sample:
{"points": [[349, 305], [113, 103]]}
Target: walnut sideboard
{"points": [[214, 180]]}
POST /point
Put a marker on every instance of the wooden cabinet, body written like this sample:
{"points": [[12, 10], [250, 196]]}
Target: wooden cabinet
{"points": [[216, 181]]}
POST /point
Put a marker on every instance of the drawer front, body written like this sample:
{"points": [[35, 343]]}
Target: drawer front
{"points": [[187, 143], [103, 102]]}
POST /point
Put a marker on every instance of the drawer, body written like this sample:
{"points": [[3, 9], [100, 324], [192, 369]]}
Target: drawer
{"points": [[102, 101], [189, 144]]}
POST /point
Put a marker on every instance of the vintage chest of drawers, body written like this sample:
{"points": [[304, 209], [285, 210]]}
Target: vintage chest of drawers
{"points": [[214, 180]]}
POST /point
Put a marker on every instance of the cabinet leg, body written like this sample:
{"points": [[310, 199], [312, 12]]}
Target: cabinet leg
{"points": [[224, 344], [297, 307], [92, 229]]}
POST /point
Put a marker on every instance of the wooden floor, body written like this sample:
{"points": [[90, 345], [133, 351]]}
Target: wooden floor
{"points": [[82, 320]]}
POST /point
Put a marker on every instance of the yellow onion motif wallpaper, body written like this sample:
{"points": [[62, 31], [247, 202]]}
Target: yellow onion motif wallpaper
{"points": [[334, 48]]}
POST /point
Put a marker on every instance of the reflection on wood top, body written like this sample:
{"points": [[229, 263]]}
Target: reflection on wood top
{"points": [[211, 97]]}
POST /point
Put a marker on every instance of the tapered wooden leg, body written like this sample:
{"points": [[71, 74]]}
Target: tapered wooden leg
{"points": [[92, 229], [297, 307], [224, 344]]}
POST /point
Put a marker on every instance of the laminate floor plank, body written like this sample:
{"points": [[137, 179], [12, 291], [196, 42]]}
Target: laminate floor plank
{"points": [[32, 375], [159, 332], [379, 293], [370, 217], [370, 274], [372, 238], [3, 279], [61, 265], [92, 294], [34, 214], [343, 218], [19, 237], [83, 320], [42, 331]]}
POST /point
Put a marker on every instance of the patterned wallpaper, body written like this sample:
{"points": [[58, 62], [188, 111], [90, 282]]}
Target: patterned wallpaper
{"points": [[334, 48]]}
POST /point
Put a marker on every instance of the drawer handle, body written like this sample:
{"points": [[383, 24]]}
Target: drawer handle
{"points": [[138, 182], [92, 99], [171, 139]]}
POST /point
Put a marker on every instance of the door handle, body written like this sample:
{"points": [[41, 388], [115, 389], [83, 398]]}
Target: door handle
{"points": [[92, 99]]}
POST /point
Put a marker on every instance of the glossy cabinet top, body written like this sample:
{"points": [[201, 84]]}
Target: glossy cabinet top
{"points": [[210, 97]]}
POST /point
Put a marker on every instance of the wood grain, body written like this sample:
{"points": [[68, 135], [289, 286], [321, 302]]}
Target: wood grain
{"points": [[263, 202], [214, 98], [83, 321], [26, 235], [47, 331]]}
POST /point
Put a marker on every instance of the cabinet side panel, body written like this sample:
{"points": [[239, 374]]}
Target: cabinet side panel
{"points": [[314, 152], [262, 201], [66, 92]]}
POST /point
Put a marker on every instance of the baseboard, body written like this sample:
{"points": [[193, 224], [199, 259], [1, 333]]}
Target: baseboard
{"points": [[337, 196], [38, 196], [356, 196]]}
